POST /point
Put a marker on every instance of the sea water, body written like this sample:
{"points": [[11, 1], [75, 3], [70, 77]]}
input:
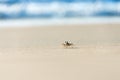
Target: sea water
{"points": [[18, 13], [57, 21], [12, 9]]}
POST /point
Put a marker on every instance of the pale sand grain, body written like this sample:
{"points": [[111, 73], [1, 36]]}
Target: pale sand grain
{"points": [[36, 53]]}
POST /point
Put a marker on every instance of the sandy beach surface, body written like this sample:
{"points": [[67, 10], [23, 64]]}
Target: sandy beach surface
{"points": [[35, 53]]}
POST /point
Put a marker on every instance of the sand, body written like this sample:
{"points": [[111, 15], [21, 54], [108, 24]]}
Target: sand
{"points": [[35, 53]]}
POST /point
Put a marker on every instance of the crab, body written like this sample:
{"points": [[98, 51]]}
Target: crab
{"points": [[67, 44]]}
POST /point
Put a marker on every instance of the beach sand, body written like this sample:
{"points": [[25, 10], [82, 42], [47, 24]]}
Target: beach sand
{"points": [[35, 53]]}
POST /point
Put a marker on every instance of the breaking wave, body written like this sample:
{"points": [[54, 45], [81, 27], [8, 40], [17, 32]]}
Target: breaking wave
{"points": [[59, 9]]}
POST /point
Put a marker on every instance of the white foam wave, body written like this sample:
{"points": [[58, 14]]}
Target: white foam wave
{"points": [[13, 9], [59, 9], [51, 22], [62, 8]]}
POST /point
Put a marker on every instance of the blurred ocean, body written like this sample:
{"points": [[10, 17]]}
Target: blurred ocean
{"points": [[16, 9]]}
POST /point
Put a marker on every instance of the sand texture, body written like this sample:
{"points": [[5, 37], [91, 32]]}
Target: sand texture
{"points": [[36, 53]]}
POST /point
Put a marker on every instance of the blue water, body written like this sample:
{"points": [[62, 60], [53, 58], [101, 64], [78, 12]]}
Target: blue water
{"points": [[10, 9]]}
